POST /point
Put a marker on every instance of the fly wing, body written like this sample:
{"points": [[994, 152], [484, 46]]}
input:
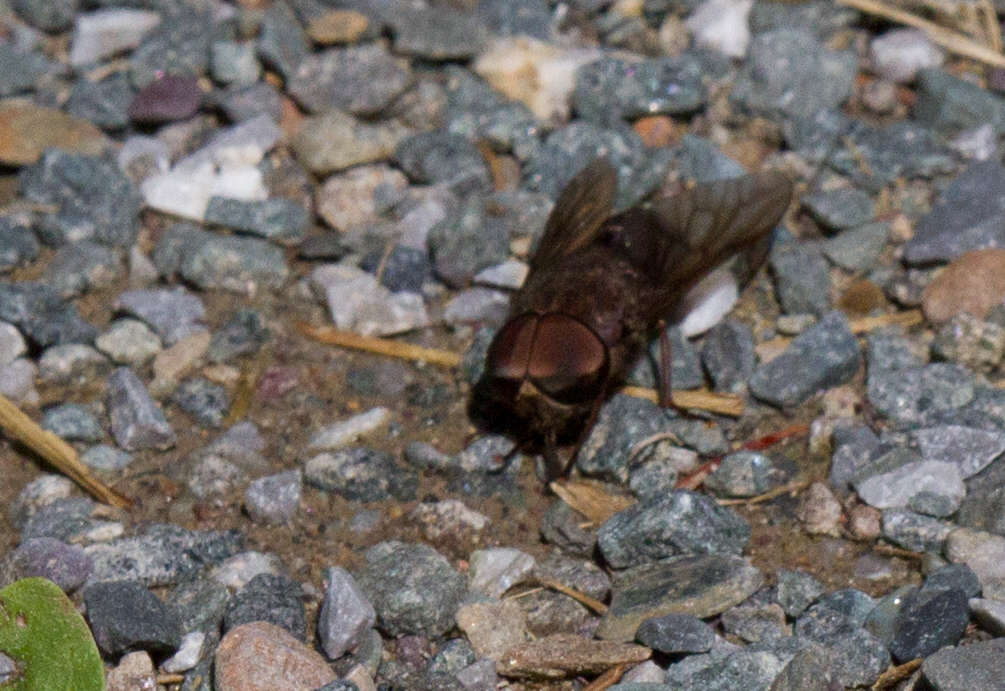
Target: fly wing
{"points": [[706, 225], [581, 209]]}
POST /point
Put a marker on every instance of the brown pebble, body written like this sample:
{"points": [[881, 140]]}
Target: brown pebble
{"points": [[338, 26], [26, 130], [862, 297], [864, 522], [260, 656], [172, 97], [819, 511], [565, 654], [974, 283], [656, 131]]}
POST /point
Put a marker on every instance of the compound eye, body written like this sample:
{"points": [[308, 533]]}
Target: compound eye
{"points": [[510, 352], [568, 361]]}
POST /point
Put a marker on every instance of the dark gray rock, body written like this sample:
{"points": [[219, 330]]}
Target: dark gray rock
{"points": [[475, 110], [435, 33], [569, 149], [362, 79], [728, 355], [562, 526], [441, 157], [404, 268], [240, 103], [802, 278], [958, 576], [676, 633], [858, 657], [104, 103], [778, 77], [164, 554], [623, 420], [755, 623], [178, 47], [970, 214], [18, 244], [412, 587], [234, 63], [841, 208], [975, 666], [66, 519], [243, 334], [516, 17], [888, 349], [878, 156], [279, 220], [345, 616], [685, 366], [610, 90], [817, 15], [698, 159], [796, 590], [701, 585], [914, 531], [984, 511], [274, 598], [908, 395], [124, 616], [20, 70], [823, 356], [234, 263], [73, 422], [467, 241], [679, 523], [949, 104], [929, 620], [48, 15], [361, 474], [744, 474], [65, 565], [857, 249], [282, 43], [94, 199], [205, 401], [137, 421], [201, 604], [83, 266]]}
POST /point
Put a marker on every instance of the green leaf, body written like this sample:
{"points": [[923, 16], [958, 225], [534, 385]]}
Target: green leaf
{"points": [[45, 635]]}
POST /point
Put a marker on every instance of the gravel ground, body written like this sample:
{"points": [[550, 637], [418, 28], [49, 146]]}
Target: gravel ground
{"points": [[185, 185]]}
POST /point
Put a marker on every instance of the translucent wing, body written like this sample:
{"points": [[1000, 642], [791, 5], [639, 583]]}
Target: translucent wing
{"points": [[680, 238], [581, 209]]}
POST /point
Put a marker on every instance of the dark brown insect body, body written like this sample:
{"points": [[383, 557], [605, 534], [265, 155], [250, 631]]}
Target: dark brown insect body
{"points": [[600, 284]]}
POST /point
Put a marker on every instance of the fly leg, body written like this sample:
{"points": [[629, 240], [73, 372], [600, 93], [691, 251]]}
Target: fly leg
{"points": [[665, 369]]}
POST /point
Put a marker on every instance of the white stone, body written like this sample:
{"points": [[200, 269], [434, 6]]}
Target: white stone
{"points": [[152, 152], [895, 488], [60, 364], [104, 33], [496, 570], [709, 302], [186, 193], [188, 654], [357, 302], [722, 25], [12, 344], [242, 145], [899, 54], [540, 75], [345, 432], [237, 571], [510, 274]]}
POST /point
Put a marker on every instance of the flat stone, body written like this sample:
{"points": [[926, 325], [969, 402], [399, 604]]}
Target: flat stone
{"points": [[978, 665], [27, 130], [124, 615], [561, 655], [137, 422], [106, 32], [346, 614], [699, 585], [362, 79], [335, 141], [274, 598]]}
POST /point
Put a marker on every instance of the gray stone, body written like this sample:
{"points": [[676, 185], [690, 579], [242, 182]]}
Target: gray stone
{"points": [[969, 214], [71, 363], [279, 220], [975, 666], [42, 316], [467, 241], [282, 43], [274, 598], [275, 498], [676, 633], [743, 474], [236, 264], [48, 15], [94, 199], [439, 157], [927, 621], [137, 422], [728, 355], [234, 63], [105, 103], [83, 266], [73, 422], [176, 47], [845, 207], [360, 474], [65, 565], [345, 613], [412, 587], [124, 615], [949, 104], [779, 79], [107, 458], [914, 531], [877, 156], [362, 80], [802, 278], [18, 244], [796, 590], [908, 395], [968, 448], [823, 356], [205, 401], [435, 33], [857, 249], [173, 313]]}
